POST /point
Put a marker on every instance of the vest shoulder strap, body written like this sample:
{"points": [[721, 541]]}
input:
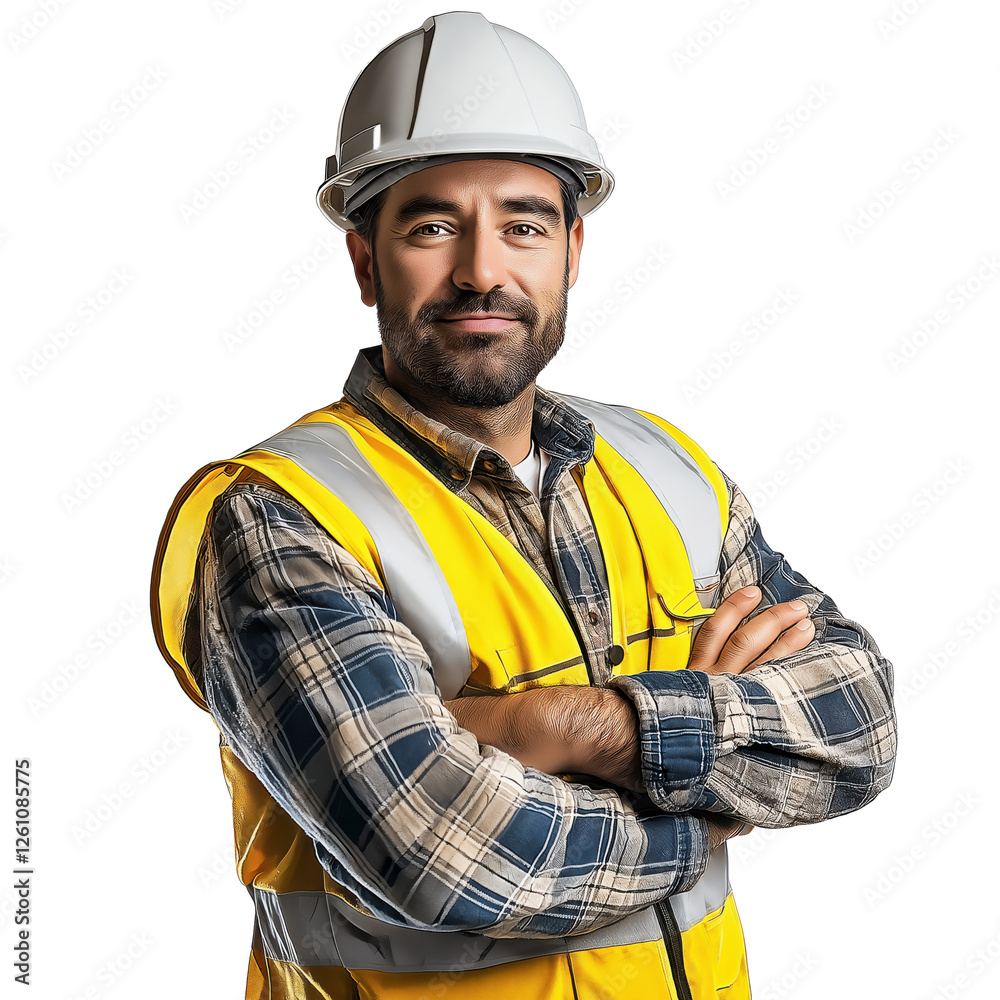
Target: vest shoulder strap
{"points": [[684, 479], [326, 451]]}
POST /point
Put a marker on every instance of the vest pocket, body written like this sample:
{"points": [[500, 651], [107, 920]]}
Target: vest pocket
{"points": [[715, 956], [686, 616]]}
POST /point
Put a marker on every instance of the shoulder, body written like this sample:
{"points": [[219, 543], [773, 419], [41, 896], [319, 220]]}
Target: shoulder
{"points": [[255, 506], [260, 540]]}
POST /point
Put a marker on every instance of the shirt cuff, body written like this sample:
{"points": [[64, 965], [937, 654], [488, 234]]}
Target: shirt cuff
{"points": [[676, 733], [697, 846]]}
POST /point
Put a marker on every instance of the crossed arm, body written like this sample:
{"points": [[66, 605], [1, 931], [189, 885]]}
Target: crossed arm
{"points": [[784, 715], [597, 731]]}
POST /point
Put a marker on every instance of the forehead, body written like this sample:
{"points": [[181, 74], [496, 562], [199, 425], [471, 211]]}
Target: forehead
{"points": [[473, 183]]}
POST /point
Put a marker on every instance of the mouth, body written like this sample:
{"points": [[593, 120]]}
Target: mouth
{"points": [[481, 322]]}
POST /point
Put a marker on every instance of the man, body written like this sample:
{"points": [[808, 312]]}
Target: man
{"points": [[349, 598]]}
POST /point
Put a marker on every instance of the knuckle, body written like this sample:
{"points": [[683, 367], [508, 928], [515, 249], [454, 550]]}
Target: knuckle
{"points": [[742, 640], [709, 630]]}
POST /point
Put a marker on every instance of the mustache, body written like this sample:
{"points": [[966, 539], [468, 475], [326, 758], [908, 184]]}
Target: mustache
{"points": [[492, 302]]}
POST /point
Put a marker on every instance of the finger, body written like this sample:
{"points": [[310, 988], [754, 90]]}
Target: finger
{"points": [[790, 641], [716, 630], [717, 834], [749, 641]]}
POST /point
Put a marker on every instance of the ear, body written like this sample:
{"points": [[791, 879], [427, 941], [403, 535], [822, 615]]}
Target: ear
{"points": [[574, 249], [361, 257]]}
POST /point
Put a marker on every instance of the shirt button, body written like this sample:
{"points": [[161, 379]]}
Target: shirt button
{"points": [[488, 466], [615, 655], [594, 617]]}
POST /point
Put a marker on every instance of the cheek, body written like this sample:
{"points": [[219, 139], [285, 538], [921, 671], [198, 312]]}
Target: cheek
{"points": [[545, 280], [414, 280], [549, 298]]}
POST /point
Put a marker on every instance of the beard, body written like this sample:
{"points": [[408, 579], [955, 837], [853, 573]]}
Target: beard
{"points": [[491, 369]]}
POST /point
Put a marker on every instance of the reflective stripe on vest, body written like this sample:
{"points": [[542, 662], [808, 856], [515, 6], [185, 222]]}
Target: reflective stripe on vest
{"points": [[672, 473], [414, 580], [318, 928], [706, 895]]}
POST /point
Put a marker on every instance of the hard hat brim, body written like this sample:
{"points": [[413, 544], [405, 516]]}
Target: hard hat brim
{"points": [[330, 196]]}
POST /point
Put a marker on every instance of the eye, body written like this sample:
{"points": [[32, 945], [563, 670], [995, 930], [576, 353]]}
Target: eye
{"points": [[525, 225], [427, 225]]}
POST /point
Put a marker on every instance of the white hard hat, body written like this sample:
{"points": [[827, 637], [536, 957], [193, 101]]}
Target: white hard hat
{"points": [[455, 87]]}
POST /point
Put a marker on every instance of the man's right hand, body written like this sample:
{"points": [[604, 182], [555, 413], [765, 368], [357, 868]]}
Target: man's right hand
{"points": [[721, 647], [721, 828], [563, 728]]}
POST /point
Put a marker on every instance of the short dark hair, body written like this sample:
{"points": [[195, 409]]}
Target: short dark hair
{"points": [[365, 219]]}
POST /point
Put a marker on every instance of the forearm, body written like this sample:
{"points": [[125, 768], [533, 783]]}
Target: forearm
{"points": [[582, 730], [560, 730]]}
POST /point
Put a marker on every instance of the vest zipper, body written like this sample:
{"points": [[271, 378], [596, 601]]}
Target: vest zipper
{"points": [[675, 951]]}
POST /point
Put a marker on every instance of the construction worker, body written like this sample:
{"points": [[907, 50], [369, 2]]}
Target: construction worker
{"points": [[497, 670]]}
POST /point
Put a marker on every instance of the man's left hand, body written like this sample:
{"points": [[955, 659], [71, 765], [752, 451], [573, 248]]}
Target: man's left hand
{"points": [[722, 645]]}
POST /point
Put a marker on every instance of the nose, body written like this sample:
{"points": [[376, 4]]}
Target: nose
{"points": [[480, 263]]}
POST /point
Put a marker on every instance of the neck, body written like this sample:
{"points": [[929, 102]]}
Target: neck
{"points": [[505, 429]]}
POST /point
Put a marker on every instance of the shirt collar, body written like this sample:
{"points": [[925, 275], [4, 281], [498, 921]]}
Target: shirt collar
{"points": [[451, 455]]}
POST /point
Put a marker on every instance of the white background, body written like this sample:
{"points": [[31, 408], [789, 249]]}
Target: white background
{"points": [[875, 476]]}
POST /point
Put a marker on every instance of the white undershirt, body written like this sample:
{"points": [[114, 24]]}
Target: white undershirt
{"points": [[532, 469]]}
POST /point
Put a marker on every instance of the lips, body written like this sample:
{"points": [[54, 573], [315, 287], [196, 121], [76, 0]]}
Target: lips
{"points": [[482, 322], [463, 316]]}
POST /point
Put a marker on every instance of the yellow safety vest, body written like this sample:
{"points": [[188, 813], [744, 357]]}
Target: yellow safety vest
{"points": [[489, 623]]}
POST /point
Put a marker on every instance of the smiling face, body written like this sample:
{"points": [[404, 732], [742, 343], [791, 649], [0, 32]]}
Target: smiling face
{"points": [[483, 239]]}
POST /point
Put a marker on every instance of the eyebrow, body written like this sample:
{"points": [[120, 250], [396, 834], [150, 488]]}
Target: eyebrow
{"points": [[528, 205]]}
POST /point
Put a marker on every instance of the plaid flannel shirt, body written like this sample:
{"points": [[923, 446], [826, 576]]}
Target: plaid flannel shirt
{"points": [[325, 695]]}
